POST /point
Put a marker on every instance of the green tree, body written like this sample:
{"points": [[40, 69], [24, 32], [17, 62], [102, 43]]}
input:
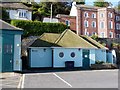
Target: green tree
{"points": [[57, 8], [4, 15], [101, 3], [80, 1]]}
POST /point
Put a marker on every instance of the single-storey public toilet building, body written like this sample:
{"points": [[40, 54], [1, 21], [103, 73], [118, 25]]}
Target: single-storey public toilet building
{"points": [[10, 47], [54, 50]]}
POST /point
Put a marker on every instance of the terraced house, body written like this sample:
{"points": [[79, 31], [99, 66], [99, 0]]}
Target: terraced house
{"points": [[91, 20]]}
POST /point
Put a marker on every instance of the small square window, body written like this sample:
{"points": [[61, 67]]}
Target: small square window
{"points": [[67, 22]]}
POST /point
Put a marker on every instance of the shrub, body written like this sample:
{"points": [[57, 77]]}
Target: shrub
{"points": [[95, 37], [36, 28], [99, 62]]}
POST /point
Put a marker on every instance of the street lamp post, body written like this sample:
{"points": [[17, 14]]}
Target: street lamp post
{"points": [[51, 14]]}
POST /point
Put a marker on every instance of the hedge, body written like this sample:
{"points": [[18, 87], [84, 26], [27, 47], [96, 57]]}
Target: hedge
{"points": [[36, 28]]}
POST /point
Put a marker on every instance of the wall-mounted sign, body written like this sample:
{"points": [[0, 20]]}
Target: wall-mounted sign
{"points": [[0, 49]]}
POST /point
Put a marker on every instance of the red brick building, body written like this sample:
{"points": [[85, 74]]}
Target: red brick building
{"points": [[68, 20], [117, 24], [90, 20]]}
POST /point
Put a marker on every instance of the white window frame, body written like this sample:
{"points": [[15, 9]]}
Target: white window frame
{"points": [[111, 34], [93, 24], [22, 14], [117, 18], [67, 22], [85, 14], [93, 33], [93, 15], [102, 26], [101, 15], [117, 26], [110, 15], [102, 34], [86, 24], [110, 25]]}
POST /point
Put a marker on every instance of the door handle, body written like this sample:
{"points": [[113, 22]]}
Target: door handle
{"points": [[10, 61]]}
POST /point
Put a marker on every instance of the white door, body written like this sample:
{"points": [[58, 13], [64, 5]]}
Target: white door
{"points": [[17, 53]]}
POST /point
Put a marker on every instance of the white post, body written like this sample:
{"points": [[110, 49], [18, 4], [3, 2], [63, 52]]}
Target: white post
{"points": [[51, 14]]}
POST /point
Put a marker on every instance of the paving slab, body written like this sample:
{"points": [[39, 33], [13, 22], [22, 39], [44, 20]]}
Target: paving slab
{"points": [[10, 80]]}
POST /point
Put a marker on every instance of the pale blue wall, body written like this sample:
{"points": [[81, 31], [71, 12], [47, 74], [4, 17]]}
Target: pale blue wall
{"points": [[109, 57], [101, 55], [60, 62], [0, 52], [40, 57], [92, 56]]}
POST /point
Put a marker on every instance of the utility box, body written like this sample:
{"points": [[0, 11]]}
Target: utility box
{"points": [[69, 65]]}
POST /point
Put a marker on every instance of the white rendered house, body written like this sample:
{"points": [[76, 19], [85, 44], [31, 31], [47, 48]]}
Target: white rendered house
{"points": [[17, 10]]}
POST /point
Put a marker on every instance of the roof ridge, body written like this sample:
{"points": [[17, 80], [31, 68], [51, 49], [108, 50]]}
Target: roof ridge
{"points": [[60, 37]]}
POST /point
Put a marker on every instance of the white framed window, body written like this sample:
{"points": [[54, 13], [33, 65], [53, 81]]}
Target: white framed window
{"points": [[67, 22], [111, 34], [110, 15], [102, 15], [117, 26], [93, 24], [102, 25], [93, 15], [117, 18], [102, 34], [86, 24], [94, 33], [110, 25], [85, 14], [118, 35], [22, 14]]}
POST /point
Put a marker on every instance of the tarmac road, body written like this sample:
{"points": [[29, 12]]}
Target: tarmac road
{"points": [[72, 79]]}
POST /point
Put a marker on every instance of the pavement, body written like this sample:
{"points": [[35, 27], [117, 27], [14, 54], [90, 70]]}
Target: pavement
{"points": [[10, 80]]}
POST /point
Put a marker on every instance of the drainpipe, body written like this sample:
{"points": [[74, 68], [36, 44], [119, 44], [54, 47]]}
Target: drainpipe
{"points": [[77, 23]]}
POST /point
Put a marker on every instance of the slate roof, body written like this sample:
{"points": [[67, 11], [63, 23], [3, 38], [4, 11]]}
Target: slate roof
{"points": [[66, 39], [88, 6], [45, 40], [63, 15], [5, 25], [14, 5]]}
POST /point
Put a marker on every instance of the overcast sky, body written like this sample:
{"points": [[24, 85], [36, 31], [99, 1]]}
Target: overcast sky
{"points": [[90, 2]]}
